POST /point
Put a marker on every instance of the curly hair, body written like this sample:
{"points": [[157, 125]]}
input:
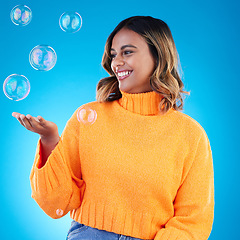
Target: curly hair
{"points": [[165, 79]]}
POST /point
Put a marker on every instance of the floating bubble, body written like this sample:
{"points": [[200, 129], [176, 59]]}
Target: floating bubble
{"points": [[16, 87], [43, 58], [70, 22], [86, 115], [21, 15], [59, 212]]}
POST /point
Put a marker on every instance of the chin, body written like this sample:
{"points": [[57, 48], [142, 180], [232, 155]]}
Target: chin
{"points": [[126, 90]]}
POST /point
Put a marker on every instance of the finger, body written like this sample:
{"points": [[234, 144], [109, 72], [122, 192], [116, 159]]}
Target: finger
{"points": [[20, 121], [38, 123], [20, 117], [41, 120], [25, 122], [33, 121], [29, 119], [16, 115], [36, 119]]}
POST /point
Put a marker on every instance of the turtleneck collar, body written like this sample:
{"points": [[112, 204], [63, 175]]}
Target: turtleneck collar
{"points": [[141, 103]]}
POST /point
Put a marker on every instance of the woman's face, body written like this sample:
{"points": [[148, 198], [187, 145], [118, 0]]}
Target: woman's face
{"points": [[132, 62]]}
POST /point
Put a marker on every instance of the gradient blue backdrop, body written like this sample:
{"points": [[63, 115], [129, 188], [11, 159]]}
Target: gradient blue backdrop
{"points": [[206, 34]]}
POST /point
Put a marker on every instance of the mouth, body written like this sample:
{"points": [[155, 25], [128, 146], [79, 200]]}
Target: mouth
{"points": [[123, 74]]}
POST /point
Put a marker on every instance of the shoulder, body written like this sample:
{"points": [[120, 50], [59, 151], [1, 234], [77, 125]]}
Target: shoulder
{"points": [[188, 124], [186, 119]]}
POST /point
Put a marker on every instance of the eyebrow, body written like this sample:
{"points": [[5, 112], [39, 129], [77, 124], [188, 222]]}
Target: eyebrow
{"points": [[124, 46]]}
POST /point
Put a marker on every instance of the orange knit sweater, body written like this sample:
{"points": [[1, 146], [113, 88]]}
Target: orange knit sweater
{"points": [[133, 172]]}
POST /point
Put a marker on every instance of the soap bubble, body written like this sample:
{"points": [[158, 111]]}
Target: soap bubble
{"points": [[21, 15], [59, 212], [16, 87], [43, 58], [70, 22], [86, 115]]}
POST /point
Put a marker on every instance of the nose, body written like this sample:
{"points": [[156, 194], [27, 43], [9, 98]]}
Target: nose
{"points": [[117, 62]]}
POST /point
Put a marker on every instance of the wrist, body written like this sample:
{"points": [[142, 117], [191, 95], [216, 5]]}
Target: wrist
{"points": [[50, 140]]}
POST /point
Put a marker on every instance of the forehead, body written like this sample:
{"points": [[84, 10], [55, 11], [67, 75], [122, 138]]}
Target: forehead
{"points": [[126, 37]]}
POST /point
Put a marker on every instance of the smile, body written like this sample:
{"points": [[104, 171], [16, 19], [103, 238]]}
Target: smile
{"points": [[123, 74]]}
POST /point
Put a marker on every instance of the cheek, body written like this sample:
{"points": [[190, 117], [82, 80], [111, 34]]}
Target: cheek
{"points": [[133, 63], [150, 66]]}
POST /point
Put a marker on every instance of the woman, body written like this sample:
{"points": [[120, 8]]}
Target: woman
{"points": [[140, 169]]}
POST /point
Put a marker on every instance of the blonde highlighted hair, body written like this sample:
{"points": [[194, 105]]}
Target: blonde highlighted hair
{"points": [[165, 79]]}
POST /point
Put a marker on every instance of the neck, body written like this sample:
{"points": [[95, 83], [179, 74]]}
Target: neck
{"points": [[141, 103]]}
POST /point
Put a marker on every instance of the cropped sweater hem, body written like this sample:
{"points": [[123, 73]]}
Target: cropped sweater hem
{"points": [[114, 219]]}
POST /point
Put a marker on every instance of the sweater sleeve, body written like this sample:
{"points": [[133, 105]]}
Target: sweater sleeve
{"points": [[57, 186], [194, 202]]}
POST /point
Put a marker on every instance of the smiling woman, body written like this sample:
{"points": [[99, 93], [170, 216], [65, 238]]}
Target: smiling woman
{"points": [[132, 62], [137, 168], [145, 44]]}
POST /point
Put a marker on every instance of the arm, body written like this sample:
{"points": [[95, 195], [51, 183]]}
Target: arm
{"points": [[194, 202], [57, 186], [47, 146], [55, 177]]}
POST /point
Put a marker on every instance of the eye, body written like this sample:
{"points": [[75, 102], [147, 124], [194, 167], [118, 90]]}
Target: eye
{"points": [[112, 56], [127, 52]]}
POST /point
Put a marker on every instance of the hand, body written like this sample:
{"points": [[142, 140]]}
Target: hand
{"points": [[47, 130]]}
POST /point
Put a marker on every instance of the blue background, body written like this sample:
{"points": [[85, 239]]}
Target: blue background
{"points": [[206, 34]]}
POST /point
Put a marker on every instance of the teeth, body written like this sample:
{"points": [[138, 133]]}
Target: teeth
{"points": [[121, 74]]}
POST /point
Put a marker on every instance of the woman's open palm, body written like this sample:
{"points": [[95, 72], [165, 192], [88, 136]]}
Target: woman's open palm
{"points": [[44, 128]]}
